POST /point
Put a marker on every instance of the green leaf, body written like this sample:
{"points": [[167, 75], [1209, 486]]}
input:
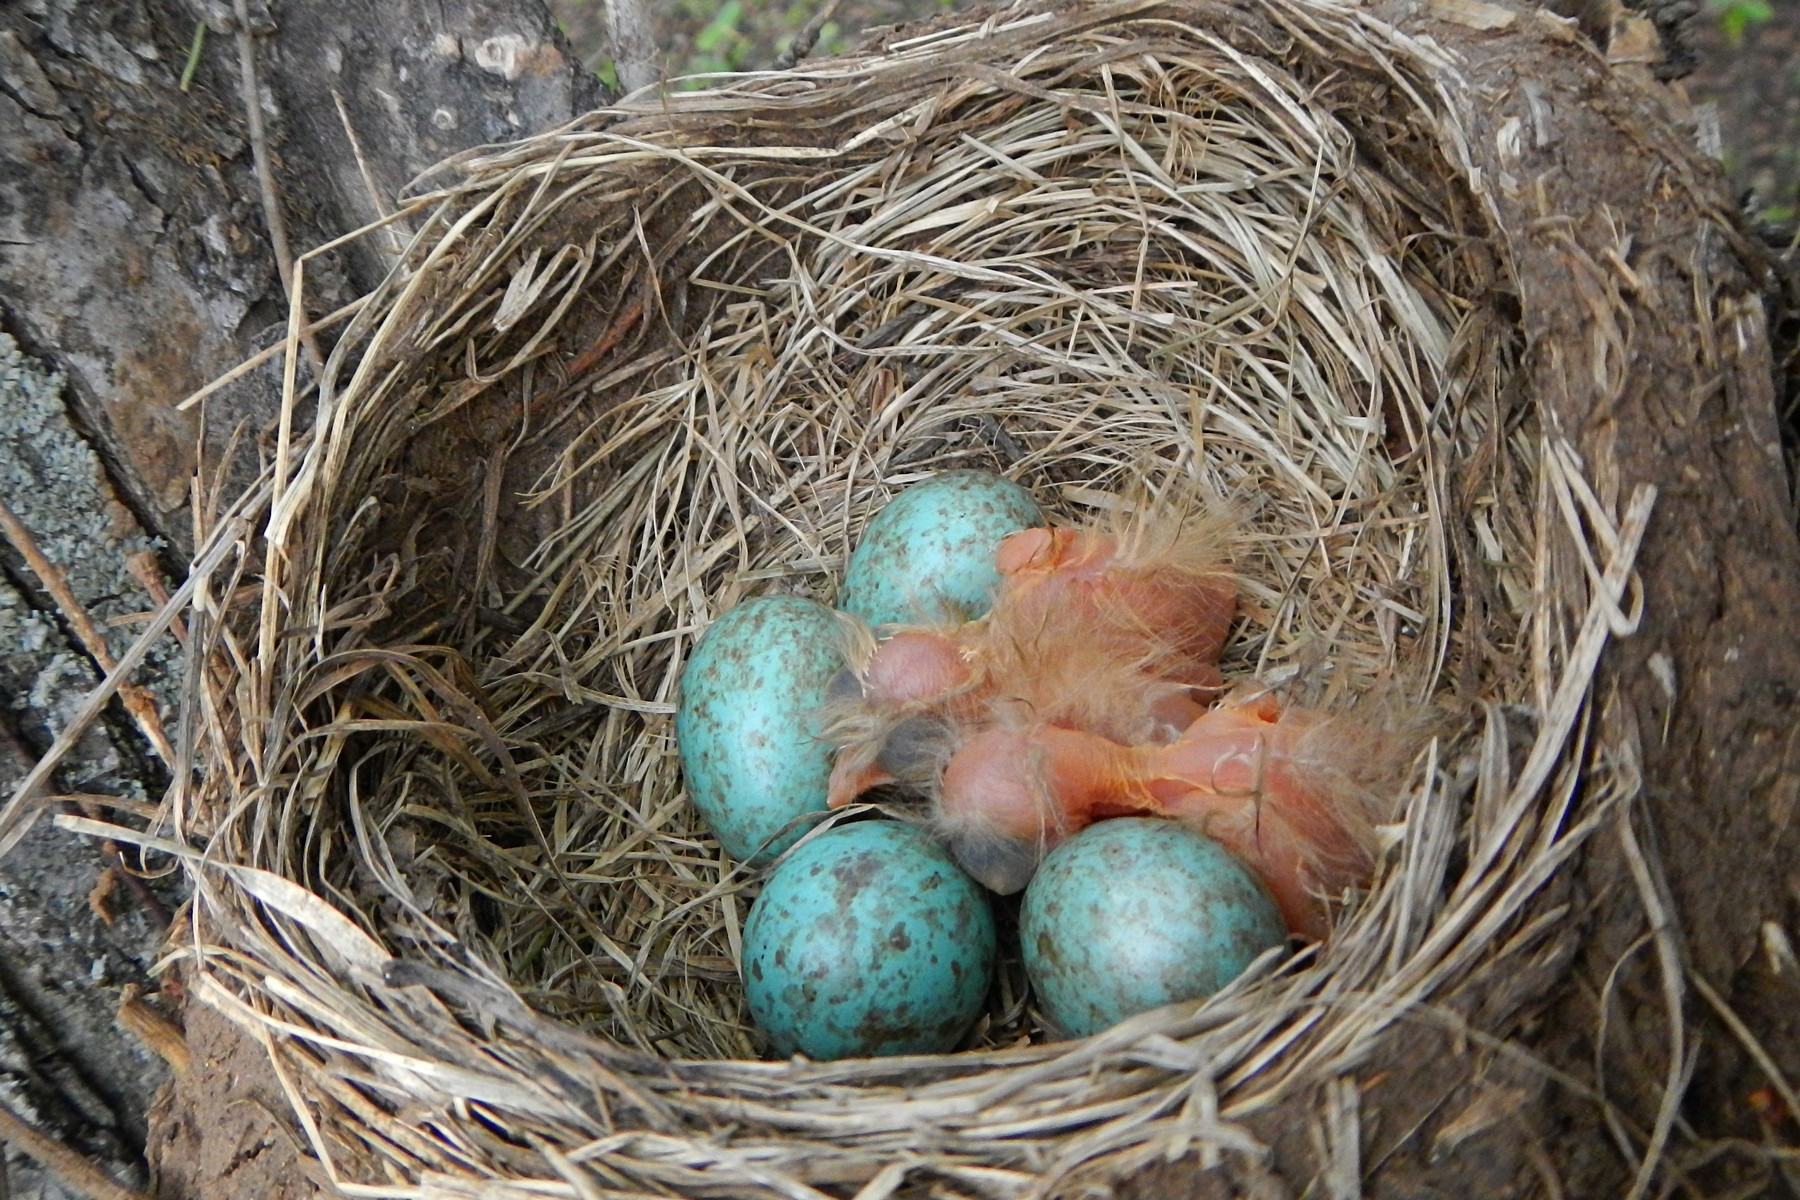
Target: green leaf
{"points": [[1751, 12], [1735, 16], [721, 30]]}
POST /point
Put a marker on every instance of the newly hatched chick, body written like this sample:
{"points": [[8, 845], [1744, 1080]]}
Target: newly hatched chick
{"points": [[1157, 592], [1114, 632], [1058, 680], [894, 702], [1293, 793]]}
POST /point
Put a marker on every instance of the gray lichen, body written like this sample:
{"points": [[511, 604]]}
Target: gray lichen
{"points": [[64, 1061], [56, 485]]}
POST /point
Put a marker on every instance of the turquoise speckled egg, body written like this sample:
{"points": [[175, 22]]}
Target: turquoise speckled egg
{"points": [[929, 555], [868, 940], [1134, 913], [747, 722]]}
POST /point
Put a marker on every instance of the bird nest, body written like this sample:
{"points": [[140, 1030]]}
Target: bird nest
{"points": [[676, 354]]}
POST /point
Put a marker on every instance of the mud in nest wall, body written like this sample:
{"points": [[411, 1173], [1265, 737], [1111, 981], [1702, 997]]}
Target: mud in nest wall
{"points": [[1108, 274]]}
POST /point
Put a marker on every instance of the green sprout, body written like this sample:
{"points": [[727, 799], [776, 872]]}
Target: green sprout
{"points": [[720, 44], [193, 58], [1735, 16]]}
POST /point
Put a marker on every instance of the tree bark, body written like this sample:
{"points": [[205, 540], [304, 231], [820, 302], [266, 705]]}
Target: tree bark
{"points": [[135, 267], [1709, 685]]}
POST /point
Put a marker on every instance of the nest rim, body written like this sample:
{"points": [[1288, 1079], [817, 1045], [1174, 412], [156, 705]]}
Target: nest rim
{"points": [[1388, 962]]}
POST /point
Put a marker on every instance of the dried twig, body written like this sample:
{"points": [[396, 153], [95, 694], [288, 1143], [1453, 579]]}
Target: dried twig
{"points": [[633, 44], [394, 234], [117, 867], [138, 702], [154, 1029], [143, 567], [70, 1168], [27, 802], [808, 36], [265, 173], [265, 356]]}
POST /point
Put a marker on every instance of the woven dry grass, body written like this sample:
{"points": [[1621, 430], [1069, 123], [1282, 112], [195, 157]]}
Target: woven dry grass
{"points": [[677, 354]]}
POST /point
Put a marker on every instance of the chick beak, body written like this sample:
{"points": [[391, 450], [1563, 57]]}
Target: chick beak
{"points": [[1000, 864]]}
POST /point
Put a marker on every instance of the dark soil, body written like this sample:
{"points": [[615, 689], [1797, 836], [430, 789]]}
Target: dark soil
{"points": [[224, 1130]]}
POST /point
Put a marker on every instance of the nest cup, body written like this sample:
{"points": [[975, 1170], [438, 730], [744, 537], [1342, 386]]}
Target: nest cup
{"points": [[678, 354]]}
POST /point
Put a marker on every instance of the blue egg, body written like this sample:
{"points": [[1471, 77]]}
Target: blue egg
{"points": [[929, 555], [866, 941], [1135, 913], [747, 726]]}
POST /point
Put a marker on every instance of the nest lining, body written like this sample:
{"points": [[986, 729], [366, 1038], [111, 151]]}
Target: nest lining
{"points": [[1110, 253], [1085, 320]]}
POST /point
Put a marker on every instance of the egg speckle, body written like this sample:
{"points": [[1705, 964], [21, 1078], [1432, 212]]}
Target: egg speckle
{"points": [[746, 724], [1134, 913], [868, 940], [929, 555]]}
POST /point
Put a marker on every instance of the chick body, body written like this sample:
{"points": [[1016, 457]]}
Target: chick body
{"points": [[1118, 634], [1241, 773]]}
